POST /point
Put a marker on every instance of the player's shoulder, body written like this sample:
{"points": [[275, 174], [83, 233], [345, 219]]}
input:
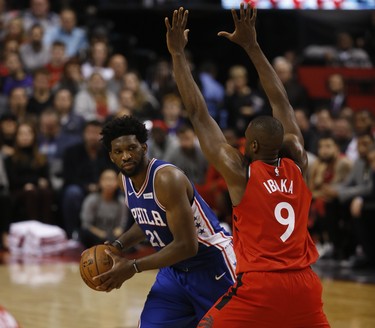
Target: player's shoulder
{"points": [[169, 174]]}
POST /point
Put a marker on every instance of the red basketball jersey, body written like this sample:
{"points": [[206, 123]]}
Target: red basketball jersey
{"points": [[270, 223]]}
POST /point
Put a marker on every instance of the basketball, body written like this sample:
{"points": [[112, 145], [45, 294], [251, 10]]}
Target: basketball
{"points": [[95, 261]]}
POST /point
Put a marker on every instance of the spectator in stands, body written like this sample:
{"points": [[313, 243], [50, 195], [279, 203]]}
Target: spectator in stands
{"points": [[67, 32], [322, 124], [34, 53], [119, 65], [336, 88], [8, 129], [98, 61], [161, 144], [72, 77], [6, 15], [39, 13], [241, 102], [337, 100], [41, 97], [357, 184], [127, 104], [28, 174], [297, 93], [5, 208], [17, 77], [212, 90], [96, 102], [363, 123], [172, 113], [56, 64], [342, 131], [307, 129], [103, 215], [18, 105], [188, 155], [145, 103], [52, 142], [363, 211], [160, 79], [82, 166], [70, 123], [330, 168], [343, 54], [13, 30], [369, 38], [9, 46]]}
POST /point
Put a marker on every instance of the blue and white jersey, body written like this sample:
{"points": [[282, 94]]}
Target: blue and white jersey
{"points": [[150, 215]]}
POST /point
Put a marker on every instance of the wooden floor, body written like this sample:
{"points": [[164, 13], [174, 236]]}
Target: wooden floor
{"points": [[52, 294]]}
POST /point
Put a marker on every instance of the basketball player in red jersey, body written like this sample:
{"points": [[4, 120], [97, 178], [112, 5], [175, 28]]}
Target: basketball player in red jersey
{"points": [[275, 285]]}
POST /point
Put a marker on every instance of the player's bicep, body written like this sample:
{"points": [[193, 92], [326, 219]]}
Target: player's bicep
{"points": [[172, 193]]}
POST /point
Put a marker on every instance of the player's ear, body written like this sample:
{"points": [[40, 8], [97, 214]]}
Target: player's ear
{"points": [[145, 147], [110, 156]]}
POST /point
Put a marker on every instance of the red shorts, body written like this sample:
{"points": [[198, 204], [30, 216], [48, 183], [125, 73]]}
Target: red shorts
{"points": [[268, 300]]}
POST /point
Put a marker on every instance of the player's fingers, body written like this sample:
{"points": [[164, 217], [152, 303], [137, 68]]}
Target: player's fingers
{"points": [[242, 11], [103, 277], [254, 14], [247, 12], [224, 34], [109, 289], [110, 253], [174, 18], [185, 18], [180, 16], [167, 24], [234, 15], [186, 34]]}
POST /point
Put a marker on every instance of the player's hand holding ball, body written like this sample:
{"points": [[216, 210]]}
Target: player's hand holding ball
{"points": [[103, 268]]}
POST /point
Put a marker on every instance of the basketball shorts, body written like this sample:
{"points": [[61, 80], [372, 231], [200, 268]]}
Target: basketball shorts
{"points": [[180, 299], [270, 299]]}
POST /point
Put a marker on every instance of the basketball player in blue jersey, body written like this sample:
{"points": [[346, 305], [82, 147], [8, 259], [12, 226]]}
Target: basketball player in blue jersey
{"points": [[194, 254]]}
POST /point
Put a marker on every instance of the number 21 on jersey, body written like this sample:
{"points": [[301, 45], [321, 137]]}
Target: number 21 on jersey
{"points": [[154, 238]]}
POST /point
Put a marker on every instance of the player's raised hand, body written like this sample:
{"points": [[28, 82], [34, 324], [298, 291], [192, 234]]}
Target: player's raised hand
{"points": [[177, 34], [244, 33]]}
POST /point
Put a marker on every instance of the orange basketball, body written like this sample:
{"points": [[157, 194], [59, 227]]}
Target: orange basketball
{"points": [[95, 261]]}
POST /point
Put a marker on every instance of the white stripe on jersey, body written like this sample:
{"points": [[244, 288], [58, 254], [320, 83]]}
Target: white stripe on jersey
{"points": [[153, 185]]}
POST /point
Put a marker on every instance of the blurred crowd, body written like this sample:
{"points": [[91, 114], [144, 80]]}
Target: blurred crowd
{"points": [[59, 82]]}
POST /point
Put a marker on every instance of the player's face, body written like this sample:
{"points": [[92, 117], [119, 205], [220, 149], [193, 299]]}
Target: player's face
{"points": [[128, 154]]}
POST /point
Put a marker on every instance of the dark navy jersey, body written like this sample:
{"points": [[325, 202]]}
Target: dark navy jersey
{"points": [[150, 215]]}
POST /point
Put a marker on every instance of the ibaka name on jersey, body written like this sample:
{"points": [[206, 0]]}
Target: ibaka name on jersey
{"points": [[141, 216], [282, 185]]}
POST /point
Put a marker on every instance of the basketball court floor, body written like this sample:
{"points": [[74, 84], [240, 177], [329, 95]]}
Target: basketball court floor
{"points": [[49, 292]]}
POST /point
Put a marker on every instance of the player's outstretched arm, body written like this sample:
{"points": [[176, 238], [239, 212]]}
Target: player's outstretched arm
{"points": [[245, 36], [210, 136]]}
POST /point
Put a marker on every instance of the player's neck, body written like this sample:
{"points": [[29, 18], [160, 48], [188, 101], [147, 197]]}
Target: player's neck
{"points": [[139, 179]]}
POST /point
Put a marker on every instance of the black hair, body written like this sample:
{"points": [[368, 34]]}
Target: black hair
{"points": [[268, 131], [269, 126], [123, 126]]}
